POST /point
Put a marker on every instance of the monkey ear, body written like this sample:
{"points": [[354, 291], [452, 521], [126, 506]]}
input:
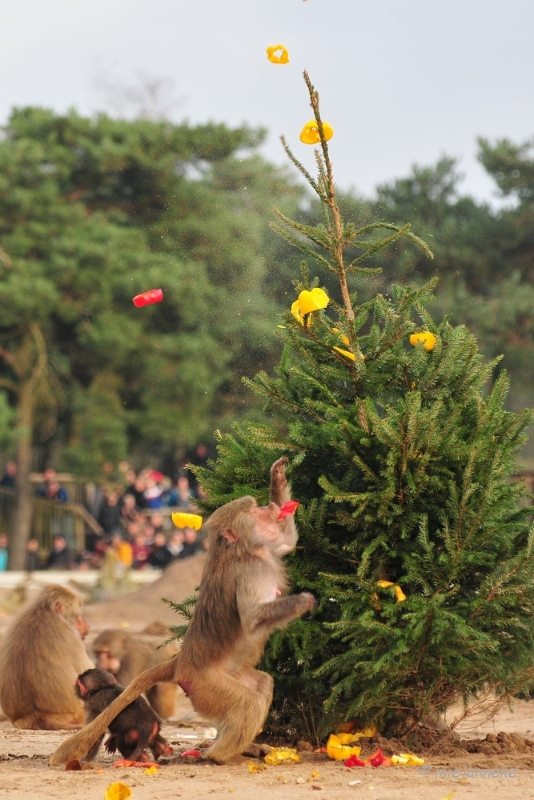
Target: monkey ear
{"points": [[81, 687], [58, 608], [229, 536]]}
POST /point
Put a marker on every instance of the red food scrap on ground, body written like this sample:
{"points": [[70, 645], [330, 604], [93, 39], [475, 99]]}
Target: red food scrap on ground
{"points": [[191, 753], [354, 761]]}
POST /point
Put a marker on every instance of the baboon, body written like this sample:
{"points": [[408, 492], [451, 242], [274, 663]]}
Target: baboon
{"points": [[241, 600], [40, 658], [118, 652], [133, 730]]}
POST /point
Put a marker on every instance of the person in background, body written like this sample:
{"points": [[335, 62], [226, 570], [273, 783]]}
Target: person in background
{"points": [[60, 556], [157, 522], [176, 544], [9, 476], [110, 512], [33, 559], [182, 495], [121, 552], [159, 557], [51, 489], [3, 552], [191, 543], [137, 489], [153, 493], [129, 510], [141, 551]]}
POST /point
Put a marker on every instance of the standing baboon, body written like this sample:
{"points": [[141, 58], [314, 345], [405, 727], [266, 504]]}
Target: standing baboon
{"points": [[240, 602], [40, 658], [133, 730], [118, 652]]}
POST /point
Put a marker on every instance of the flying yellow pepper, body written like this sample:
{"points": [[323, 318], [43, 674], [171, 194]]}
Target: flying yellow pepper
{"points": [[277, 54]]}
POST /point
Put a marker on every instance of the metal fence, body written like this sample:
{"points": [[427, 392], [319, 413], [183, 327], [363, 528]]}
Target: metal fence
{"points": [[50, 519]]}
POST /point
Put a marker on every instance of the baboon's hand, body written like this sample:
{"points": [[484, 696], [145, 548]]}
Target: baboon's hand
{"points": [[307, 601], [278, 472]]}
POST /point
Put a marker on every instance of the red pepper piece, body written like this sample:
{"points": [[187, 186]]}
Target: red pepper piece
{"points": [[73, 765], [147, 298], [189, 753], [288, 508], [354, 761], [377, 759]]}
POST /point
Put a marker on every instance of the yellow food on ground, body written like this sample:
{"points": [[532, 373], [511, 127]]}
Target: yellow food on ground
{"points": [[282, 755], [256, 767], [117, 791], [338, 746]]}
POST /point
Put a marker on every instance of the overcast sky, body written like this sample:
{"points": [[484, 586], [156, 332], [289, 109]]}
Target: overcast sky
{"points": [[401, 81]]}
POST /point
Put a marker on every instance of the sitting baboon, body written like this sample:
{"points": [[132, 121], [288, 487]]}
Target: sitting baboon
{"points": [[40, 658], [241, 600], [120, 653]]}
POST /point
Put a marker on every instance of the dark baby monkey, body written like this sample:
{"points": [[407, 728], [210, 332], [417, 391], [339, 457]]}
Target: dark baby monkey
{"points": [[133, 730]]}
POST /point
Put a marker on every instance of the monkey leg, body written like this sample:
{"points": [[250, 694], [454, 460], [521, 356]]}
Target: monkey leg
{"points": [[93, 751], [160, 747], [42, 721], [238, 706], [140, 739]]}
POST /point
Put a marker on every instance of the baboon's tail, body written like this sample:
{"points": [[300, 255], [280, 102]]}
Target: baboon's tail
{"points": [[78, 745]]}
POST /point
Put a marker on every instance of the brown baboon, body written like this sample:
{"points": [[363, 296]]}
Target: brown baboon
{"points": [[118, 652], [40, 658], [133, 730], [239, 604]]}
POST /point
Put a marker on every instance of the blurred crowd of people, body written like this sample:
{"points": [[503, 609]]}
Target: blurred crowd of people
{"points": [[135, 518]]}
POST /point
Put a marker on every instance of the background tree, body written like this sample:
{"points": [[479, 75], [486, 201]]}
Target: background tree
{"points": [[93, 212], [411, 533]]}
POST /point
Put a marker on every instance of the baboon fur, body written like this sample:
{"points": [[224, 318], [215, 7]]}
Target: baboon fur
{"points": [[40, 658], [241, 600]]}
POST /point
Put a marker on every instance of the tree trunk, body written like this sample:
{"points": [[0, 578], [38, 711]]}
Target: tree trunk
{"points": [[23, 490]]}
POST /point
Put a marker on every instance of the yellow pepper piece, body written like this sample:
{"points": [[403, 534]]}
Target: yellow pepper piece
{"points": [[346, 353], [310, 132], [182, 520], [312, 301], [411, 760], [399, 594], [295, 310], [277, 54], [399, 760], [256, 767], [153, 770], [384, 584], [117, 791], [427, 339], [348, 738], [279, 755], [337, 747]]}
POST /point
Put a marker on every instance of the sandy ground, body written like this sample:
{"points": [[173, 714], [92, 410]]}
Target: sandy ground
{"points": [[499, 767]]}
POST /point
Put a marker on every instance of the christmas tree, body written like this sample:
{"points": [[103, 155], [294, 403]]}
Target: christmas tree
{"points": [[412, 535]]}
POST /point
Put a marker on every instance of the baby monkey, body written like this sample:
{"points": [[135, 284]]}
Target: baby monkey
{"points": [[133, 730]]}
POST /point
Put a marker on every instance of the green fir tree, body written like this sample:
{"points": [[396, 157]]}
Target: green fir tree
{"points": [[413, 537]]}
